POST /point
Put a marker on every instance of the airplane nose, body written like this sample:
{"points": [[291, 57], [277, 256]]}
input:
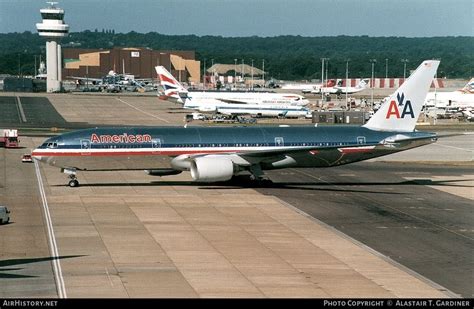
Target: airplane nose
{"points": [[36, 156]]}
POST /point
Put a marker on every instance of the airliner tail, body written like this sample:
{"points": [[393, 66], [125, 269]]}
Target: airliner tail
{"points": [[401, 111]]}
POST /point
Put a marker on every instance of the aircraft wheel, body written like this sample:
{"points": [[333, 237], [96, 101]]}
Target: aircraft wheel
{"points": [[73, 183]]}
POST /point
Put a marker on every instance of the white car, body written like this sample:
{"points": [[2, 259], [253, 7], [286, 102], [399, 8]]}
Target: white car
{"points": [[198, 116], [4, 215], [26, 158]]}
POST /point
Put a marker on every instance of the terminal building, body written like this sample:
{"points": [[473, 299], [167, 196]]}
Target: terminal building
{"points": [[140, 62]]}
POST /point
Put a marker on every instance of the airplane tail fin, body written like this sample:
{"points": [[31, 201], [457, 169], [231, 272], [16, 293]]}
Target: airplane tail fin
{"points": [[469, 88], [171, 86], [402, 109]]}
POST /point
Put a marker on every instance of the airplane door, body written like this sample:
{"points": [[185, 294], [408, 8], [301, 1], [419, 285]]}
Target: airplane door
{"points": [[361, 140], [279, 142], [85, 147], [156, 145]]}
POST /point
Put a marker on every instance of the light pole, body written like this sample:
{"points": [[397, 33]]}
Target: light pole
{"points": [[34, 71], [322, 78], [373, 61], [327, 66], [179, 71], [252, 76], [263, 70], [213, 77], [235, 73], [243, 71], [404, 68], [323, 60], [347, 77], [87, 77], [204, 74], [386, 68]]}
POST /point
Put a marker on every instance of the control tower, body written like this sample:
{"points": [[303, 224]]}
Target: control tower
{"points": [[53, 29]]}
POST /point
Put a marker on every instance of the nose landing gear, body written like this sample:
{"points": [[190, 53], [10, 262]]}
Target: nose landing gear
{"points": [[73, 182]]}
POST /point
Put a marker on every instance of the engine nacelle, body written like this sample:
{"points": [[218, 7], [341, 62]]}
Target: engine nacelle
{"points": [[163, 172], [212, 169]]}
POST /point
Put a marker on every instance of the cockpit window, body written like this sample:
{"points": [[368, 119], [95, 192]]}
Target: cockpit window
{"points": [[52, 145]]}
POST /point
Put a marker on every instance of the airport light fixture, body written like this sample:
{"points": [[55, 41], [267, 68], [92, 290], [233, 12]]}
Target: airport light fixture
{"points": [[235, 72], [213, 70], [204, 74], [34, 72], [404, 68], [251, 84], [347, 77], [373, 61], [327, 66], [322, 78], [19, 65]]}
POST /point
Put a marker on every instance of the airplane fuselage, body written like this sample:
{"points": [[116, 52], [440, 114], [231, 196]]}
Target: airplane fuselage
{"points": [[457, 99], [247, 97], [148, 148]]}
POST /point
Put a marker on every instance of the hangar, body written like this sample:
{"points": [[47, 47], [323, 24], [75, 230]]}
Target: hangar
{"points": [[140, 62]]}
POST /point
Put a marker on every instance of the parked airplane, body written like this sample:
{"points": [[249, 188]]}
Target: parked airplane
{"points": [[114, 81], [217, 153], [236, 109], [174, 89], [307, 88], [462, 98], [339, 89]]}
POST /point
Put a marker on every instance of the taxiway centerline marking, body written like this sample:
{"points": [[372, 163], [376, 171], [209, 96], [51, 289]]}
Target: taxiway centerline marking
{"points": [[58, 275], [142, 111]]}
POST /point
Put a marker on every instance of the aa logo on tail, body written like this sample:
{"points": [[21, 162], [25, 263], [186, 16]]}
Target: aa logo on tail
{"points": [[394, 108]]}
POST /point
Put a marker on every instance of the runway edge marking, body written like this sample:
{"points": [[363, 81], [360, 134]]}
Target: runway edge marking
{"points": [[58, 275], [371, 250]]}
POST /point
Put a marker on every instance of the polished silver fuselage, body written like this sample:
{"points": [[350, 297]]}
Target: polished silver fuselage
{"points": [[270, 147]]}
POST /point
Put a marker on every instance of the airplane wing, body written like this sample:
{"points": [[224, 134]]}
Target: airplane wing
{"points": [[86, 78], [276, 155]]}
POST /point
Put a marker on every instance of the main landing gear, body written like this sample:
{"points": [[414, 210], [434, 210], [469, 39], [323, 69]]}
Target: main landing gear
{"points": [[258, 177], [73, 182]]}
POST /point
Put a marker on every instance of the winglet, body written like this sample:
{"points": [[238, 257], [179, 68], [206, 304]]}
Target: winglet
{"points": [[401, 111]]}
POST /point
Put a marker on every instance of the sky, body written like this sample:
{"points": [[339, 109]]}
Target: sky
{"points": [[265, 18]]}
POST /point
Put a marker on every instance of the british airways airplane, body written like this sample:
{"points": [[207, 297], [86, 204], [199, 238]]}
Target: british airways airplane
{"points": [[217, 153], [177, 91]]}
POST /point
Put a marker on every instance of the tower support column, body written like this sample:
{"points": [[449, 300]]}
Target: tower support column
{"points": [[60, 64], [52, 82]]}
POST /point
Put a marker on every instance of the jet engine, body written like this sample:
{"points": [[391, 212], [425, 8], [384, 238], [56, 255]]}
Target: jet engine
{"points": [[162, 172], [212, 169]]}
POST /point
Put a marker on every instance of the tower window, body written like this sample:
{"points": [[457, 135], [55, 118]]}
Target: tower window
{"points": [[52, 16]]}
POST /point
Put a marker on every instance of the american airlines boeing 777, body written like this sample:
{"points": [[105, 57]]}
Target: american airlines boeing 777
{"points": [[218, 153]]}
